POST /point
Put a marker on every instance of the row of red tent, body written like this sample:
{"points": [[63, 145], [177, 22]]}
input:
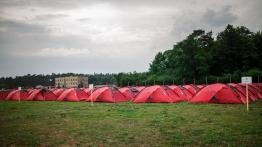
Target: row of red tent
{"points": [[213, 93]]}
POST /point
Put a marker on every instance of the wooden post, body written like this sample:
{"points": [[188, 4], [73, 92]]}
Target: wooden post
{"points": [[19, 94], [91, 86], [230, 78], [92, 97], [19, 97], [194, 81], [154, 82], [206, 80], [246, 80], [247, 97], [173, 82]]}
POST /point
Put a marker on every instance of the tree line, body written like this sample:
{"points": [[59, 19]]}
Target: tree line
{"points": [[28, 81], [200, 58], [234, 52]]}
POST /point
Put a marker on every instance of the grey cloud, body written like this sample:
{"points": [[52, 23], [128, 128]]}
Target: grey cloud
{"points": [[20, 37], [58, 4], [16, 35], [84, 19], [21, 28], [72, 4], [49, 16], [124, 39], [219, 18]]}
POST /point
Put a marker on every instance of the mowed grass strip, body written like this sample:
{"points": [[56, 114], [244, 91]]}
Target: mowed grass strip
{"points": [[37, 123]]}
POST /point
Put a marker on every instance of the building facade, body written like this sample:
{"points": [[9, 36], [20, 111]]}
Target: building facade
{"points": [[71, 81]]}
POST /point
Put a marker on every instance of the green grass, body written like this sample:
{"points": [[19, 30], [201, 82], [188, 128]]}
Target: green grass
{"points": [[126, 124]]}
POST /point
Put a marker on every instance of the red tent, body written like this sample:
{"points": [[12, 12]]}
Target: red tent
{"points": [[257, 89], [255, 85], [126, 91], [259, 85], [173, 94], [153, 94], [201, 86], [107, 94], [68, 95], [136, 90], [87, 90], [81, 94], [139, 88], [239, 93], [36, 94], [179, 92], [17, 94], [42, 95], [187, 92], [73, 95], [242, 92], [4, 94], [251, 90], [49, 96], [216, 93], [58, 92], [191, 88], [30, 90]]}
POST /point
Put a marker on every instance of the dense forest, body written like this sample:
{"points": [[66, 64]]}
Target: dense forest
{"points": [[200, 58], [234, 52]]}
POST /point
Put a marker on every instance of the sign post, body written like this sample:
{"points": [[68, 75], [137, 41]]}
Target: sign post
{"points": [[91, 86], [19, 92], [246, 80]]}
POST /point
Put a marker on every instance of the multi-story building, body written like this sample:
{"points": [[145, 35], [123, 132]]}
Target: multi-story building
{"points": [[71, 81]]}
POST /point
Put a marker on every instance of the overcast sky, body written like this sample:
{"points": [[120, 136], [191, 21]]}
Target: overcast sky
{"points": [[109, 36]]}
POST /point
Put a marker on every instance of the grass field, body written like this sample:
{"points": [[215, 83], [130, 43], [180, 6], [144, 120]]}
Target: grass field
{"points": [[126, 124]]}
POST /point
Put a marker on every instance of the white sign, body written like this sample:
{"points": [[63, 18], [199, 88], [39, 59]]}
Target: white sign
{"points": [[246, 80], [91, 86], [19, 88]]}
